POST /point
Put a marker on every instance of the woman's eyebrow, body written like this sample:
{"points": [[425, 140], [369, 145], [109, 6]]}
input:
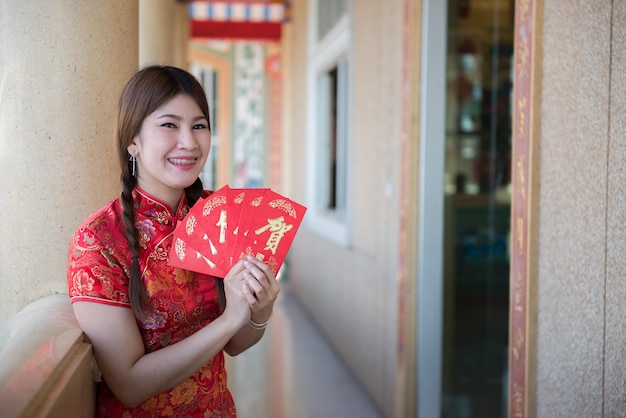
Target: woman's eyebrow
{"points": [[177, 117]]}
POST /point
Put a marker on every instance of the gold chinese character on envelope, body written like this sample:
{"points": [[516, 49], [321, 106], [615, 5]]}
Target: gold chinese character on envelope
{"points": [[269, 232]]}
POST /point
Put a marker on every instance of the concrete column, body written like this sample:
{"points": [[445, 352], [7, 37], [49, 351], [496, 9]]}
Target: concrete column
{"points": [[62, 67], [163, 33]]}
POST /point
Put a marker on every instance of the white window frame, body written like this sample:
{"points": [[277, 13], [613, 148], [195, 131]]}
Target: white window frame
{"points": [[333, 50], [429, 336]]}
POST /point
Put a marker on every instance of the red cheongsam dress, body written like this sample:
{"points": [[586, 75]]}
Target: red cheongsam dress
{"points": [[181, 302]]}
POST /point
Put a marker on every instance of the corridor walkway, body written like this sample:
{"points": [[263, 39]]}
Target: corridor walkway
{"points": [[294, 373]]}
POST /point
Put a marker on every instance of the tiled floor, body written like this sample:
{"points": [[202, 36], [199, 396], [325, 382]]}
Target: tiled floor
{"points": [[294, 373]]}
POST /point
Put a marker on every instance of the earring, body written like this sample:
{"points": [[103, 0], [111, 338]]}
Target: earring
{"points": [[133, 160]]}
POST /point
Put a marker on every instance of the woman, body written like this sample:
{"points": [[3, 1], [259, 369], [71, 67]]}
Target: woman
{"points": [[159, 333]]}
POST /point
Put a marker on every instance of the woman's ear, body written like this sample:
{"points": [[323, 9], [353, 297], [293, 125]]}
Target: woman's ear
{"points": [[132, 148]]}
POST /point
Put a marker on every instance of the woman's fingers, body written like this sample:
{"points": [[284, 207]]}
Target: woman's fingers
{"points": [[261, 287], [256, 284], [233, 283], [237, 268], [261, 271], [250, 295]]}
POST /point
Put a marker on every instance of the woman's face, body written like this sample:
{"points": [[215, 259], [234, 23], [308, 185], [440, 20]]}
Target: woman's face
{"points": [[171, 148]]}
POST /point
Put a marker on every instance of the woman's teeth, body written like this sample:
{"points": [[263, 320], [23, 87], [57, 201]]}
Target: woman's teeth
{"points": [[182, 161]]}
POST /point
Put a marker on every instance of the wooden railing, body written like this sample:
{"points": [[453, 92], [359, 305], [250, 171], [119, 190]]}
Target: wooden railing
{"points": [[46, 366]]}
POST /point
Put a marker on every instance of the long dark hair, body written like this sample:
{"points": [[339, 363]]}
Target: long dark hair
{"points": [[145, 92]]}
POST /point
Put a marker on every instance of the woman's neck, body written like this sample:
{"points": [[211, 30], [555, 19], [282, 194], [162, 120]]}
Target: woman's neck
{"points": [[169, 198]]}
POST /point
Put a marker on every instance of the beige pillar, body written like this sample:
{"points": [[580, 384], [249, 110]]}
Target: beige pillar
{"points": [[163, 33], [62, 66]]}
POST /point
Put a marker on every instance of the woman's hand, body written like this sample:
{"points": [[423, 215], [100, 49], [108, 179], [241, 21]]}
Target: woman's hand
{"points": [[237, 306], [260, 288], [253, 282]]}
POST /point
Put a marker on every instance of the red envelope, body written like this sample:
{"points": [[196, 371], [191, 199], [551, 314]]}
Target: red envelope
{"points": [[236, 199], [270, 230], [206, 229], [184, 256], [250, 205], [230, 224]]}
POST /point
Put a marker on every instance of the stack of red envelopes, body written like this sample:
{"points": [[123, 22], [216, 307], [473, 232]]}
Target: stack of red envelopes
{"points": [[230, 224]]}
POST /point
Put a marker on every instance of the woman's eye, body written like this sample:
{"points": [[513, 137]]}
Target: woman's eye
{"points": [[168, 125], [199, 126]]}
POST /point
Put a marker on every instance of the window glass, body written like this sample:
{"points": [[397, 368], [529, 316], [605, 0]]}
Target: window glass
{"points": [[328, 136], [328, 13], [477, 208]]}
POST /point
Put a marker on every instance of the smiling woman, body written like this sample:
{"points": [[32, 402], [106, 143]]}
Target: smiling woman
{"points": [[171, 322], [171, 148]]}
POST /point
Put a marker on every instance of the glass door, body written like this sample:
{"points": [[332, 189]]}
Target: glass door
{"points": [[477, 197], [465, 195]]}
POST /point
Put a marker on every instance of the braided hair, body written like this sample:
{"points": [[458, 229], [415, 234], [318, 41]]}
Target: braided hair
{"points": [[145, 92]]}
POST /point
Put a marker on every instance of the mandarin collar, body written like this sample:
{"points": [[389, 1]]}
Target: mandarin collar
{"points": [[154, 208]]}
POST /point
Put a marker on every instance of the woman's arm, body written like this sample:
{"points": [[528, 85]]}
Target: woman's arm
{"points": [[134, 375], [261, 290]]}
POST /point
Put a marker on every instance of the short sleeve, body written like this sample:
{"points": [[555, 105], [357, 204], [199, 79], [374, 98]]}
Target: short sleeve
{"points": [[94, 270]]}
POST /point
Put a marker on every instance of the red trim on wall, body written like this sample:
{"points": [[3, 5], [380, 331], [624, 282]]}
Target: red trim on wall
{"points": [[263, 31], [272, 67], [520, 210], [402, 276]]}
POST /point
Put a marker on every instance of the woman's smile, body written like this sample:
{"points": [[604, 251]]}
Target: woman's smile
{"points": [[184, 163]]}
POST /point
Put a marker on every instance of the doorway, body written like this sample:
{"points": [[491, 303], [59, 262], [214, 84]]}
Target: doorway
{"points": [[466, 189]]}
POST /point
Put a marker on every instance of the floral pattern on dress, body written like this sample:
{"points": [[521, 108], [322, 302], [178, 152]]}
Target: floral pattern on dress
{"points": [[181, 302]]}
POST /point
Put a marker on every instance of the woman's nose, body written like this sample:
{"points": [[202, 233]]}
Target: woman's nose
{"points": [[187, 139]]}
